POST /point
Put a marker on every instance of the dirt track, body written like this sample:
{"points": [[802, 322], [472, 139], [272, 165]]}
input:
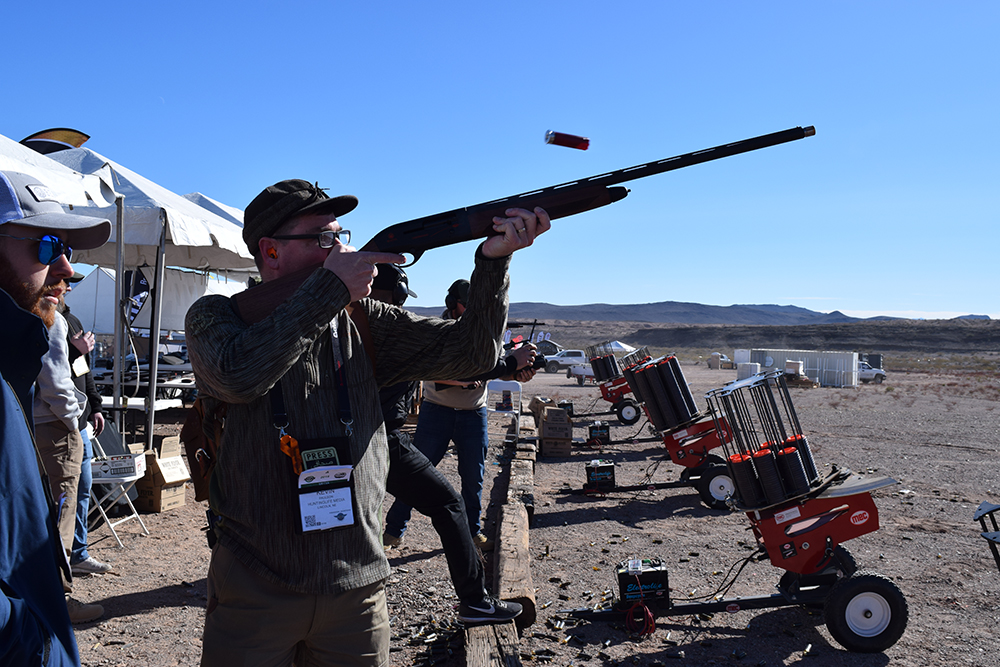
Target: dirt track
{"points": [[937, 434]]}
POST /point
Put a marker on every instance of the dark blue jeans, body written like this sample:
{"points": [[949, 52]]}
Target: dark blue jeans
{"points": [[415, 482], [436, 428], [79, 552]]}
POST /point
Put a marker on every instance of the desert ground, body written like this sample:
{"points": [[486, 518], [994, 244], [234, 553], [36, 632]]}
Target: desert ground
{"points": [[933, 427]]}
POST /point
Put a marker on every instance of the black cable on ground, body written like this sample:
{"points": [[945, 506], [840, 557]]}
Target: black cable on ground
{"points": [[725, 586]]}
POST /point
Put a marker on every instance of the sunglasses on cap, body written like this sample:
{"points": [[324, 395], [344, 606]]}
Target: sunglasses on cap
{"points": [[50, 248]]}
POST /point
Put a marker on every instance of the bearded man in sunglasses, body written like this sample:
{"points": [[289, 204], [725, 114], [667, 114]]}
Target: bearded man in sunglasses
{"points": [[36, 237], [298, 571]]}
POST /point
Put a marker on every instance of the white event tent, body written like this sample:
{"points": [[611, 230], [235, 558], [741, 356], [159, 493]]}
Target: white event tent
{"points": [[620, 347], [153, 226], [196, 238], [72, 188], [94, 299]]}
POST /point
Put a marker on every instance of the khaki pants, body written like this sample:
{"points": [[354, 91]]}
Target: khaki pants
{"points": [[251, 621], [62, 452]]}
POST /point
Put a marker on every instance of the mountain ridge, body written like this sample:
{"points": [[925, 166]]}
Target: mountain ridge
{"points": [[668, 312]]}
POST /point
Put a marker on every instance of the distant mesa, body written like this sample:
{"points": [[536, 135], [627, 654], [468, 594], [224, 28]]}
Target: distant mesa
{"points": [[679, 312], [677, 325]]}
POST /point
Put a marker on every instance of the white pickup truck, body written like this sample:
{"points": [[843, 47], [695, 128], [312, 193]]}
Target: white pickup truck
{"points": [[868, 374], [557, 362]]}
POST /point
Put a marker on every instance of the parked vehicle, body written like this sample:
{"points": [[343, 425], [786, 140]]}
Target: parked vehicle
{"points": [[868, 374], [581, 373], [548, 347], [556, 362]]}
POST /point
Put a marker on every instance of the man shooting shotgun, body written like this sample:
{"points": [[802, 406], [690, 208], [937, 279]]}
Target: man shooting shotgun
{"points": [[415, 237], [298, 571]]}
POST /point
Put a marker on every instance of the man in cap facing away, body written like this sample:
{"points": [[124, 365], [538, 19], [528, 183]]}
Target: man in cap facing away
{"points": [[36, 241], [298, 571]]}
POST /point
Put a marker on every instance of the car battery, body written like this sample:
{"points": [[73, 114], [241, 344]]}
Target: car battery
{"points": [[567, 406], [600, 476], [643, 580], [599, 433]]}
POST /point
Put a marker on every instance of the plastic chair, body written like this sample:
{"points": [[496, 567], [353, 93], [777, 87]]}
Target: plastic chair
{"points": [[494, 390]]}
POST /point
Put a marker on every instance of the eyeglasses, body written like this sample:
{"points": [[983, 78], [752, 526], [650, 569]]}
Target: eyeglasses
{"points": [[326, 239], [50, 248]]}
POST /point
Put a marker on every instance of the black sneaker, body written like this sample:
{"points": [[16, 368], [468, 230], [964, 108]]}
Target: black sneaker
{"points": [[488, 610]]}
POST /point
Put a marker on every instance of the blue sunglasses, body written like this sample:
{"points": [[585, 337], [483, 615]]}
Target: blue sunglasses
{"points": [[49, 248]]}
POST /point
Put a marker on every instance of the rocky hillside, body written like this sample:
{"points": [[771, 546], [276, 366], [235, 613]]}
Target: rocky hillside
{"points": [[673, 325], [931, 336]]}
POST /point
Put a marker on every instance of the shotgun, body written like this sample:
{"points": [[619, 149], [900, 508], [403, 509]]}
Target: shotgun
{"points": [[415, 237]]}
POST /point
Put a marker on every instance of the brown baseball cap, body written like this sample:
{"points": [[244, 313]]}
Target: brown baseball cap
{"points": [[286, 199]]}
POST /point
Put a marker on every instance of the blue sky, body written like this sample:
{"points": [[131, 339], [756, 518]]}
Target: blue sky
{"points": [[892, 208]]}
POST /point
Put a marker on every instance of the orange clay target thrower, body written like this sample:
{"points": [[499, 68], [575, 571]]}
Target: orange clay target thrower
{"points": [[799, 517]]}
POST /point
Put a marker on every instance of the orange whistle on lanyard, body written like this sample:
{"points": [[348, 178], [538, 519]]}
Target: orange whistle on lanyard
{"points": [[290, 446]]}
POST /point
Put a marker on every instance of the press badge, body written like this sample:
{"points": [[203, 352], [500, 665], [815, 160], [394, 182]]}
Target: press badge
{"points": [[325, 498]]}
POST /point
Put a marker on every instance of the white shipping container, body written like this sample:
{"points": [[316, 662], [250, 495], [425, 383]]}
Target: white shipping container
{"points": [[829, 369]]}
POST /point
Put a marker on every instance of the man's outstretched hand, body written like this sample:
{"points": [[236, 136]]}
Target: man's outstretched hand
{"points": [[516, 231]]}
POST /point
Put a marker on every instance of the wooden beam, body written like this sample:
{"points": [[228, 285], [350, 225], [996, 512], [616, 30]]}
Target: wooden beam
{"points": [[521, 487], [512, 571], [492, 646]]}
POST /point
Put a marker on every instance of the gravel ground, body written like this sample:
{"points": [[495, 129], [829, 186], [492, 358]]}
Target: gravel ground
{"points": [[937, 434]]}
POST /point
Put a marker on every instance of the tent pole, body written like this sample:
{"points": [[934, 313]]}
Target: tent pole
{"points": [[154, 332], [119, 349]]}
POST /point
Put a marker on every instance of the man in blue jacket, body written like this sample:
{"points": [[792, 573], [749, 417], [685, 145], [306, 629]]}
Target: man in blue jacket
{"points": [[36, 241]]}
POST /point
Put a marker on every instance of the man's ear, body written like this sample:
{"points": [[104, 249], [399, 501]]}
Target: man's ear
{"points": [[268, 252]]}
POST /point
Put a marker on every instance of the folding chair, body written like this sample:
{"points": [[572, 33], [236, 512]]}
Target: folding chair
{"points": [[112, 489], [494, 391], [986, 511]]}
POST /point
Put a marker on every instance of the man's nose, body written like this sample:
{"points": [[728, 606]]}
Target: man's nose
{"points": [[61, 268]]}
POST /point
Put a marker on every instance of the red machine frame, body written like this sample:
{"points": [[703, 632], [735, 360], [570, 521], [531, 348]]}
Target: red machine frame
{"points": [[800, 528]]}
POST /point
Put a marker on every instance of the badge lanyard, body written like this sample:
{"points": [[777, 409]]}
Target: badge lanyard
{"points": [[289, 444]]}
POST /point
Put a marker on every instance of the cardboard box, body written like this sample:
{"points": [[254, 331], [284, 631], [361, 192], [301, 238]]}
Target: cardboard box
{"points": [[555, 415], [118, 465], [170, 446], [556, 446], [162, 471], [557, 430], [162, 488], [160, 498], [536, 406]]}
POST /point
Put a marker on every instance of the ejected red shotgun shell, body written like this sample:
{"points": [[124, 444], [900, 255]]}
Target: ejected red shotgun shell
{"points": [[567, 140]]}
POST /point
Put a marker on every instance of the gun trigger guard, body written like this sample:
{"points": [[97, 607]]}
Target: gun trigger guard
{"points": [[417, 254]]}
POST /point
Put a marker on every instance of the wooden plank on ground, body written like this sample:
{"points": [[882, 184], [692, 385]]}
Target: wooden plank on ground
{"points": [[525, 451], [492, 646], [512, 562], [521, 487]]}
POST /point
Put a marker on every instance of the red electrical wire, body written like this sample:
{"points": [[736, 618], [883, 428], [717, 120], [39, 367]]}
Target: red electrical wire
{"points": [[646, 616]]}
